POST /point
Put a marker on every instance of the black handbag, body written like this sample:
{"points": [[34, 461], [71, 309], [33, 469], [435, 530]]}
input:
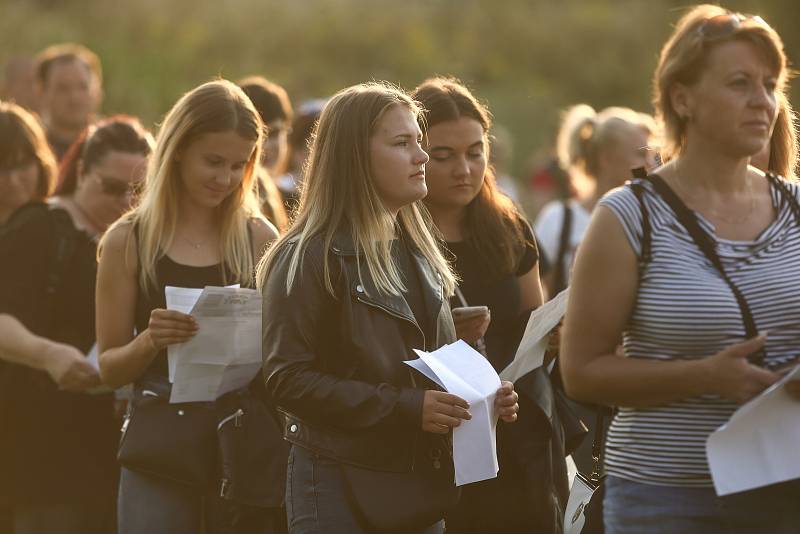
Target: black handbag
{"points": [[252, 451], [403, 502], [176, 442]]}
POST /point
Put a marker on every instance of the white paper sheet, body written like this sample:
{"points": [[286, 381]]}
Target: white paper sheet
{"points": [[225, 354], [180, 299], [530, 354], [760, 444], [465, 372]]}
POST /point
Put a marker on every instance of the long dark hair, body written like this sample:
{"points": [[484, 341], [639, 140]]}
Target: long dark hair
{"points": [[121, 133], [494, 224]]}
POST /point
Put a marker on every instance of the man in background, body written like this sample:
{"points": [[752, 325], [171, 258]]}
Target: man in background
{"points": [[69, 82]]}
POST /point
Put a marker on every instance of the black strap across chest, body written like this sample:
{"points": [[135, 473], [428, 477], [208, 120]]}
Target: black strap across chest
{"points": [[706, 243]]}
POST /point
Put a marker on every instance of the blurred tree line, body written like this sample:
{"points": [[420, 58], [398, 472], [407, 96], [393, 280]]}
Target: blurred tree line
{"points": [[527, 59]]}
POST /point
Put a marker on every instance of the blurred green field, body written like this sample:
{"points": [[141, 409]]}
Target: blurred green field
{"points": [[527, 59]]}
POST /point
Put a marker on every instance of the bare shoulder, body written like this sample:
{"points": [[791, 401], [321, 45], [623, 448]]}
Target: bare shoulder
{"points": [[263, 232], [118, 246]]}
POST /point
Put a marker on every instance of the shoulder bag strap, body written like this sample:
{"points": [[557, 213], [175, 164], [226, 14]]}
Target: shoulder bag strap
{"points": [[708, 246], [560, 281]]}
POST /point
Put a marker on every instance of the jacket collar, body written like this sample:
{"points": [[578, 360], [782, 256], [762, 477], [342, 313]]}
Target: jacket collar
{"points": [[343, 245]]}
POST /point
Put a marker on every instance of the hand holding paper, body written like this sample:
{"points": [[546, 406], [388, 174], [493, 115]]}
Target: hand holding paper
{"points": [[760, 444], [225, 353], [464, 372], [530, 354]]}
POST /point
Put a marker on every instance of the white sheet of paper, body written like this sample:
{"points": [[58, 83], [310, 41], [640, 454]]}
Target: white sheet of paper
{"points": [[225, 354], [181, 299], [760, 444], [465, 372], [530, 354]]}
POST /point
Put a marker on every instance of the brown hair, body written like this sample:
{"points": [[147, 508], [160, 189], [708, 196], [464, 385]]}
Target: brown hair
{"points": [[22, 139], [121, 133], [64, 53], [494, 224], [783, 144], [682, 60]]}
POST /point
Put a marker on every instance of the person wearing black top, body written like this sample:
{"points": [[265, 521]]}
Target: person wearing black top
{"points": [[495, 256], [59, 429], [198, 224]]}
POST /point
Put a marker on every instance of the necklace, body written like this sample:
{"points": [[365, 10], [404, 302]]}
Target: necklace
{"points": [[195, 244], [716, 214]]}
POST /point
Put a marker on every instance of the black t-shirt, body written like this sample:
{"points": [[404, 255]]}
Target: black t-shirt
{"points": [[500, 294], [51, 438]]}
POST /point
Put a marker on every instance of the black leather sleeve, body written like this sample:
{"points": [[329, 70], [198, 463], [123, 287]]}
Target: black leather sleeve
{"points": [[297, 341]]}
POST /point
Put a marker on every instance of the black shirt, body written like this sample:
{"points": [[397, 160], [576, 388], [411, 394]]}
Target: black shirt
{"points": [[500, 294], [51, 438]]}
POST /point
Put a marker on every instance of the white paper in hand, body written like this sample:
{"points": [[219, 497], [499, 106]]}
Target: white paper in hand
{"points": [[760, 444], [465, 372], [530, 354]]}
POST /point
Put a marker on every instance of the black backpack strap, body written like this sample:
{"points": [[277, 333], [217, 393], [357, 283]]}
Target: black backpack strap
{"points": [[646, 247], [560, 281], [708, 246]]}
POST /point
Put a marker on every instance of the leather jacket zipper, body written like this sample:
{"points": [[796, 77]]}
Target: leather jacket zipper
{"points": [[399, 316], [410, 371]]}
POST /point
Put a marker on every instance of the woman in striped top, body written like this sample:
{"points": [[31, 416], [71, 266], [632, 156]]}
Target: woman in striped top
{"points": [[686, 350]]}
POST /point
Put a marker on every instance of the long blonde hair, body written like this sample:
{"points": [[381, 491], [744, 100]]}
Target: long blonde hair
{"points": [[339, 191], [216, 106]]}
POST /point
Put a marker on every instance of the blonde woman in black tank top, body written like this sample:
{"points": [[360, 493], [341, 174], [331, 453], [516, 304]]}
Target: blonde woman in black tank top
{"points": [[197, 224]]}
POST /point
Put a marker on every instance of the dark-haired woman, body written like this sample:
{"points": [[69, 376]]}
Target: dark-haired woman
{"points": [[27, 167], [495, 257], [60, 433], [275, 108]]}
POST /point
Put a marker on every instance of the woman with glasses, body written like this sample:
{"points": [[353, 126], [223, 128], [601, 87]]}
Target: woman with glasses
{"points": [[27, 167], [59, 431], [691, 266]]}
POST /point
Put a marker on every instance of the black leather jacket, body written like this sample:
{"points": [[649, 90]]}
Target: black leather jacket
{"points": [[334, 365]]}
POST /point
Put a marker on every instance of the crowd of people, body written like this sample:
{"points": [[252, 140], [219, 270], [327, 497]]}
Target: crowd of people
{"points": [[373, 223]]}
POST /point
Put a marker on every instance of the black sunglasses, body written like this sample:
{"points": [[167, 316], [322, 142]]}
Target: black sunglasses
{"points": [[116, 188]]}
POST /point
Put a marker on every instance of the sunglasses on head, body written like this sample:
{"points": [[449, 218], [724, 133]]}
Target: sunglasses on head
{"points": [[722, 26], [116, 188]]}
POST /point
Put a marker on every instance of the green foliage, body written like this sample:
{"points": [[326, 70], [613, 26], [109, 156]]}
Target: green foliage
{"points": [[527, 59]]}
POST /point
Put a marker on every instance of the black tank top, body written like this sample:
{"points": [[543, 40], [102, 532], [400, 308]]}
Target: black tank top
{"points": [[170, 273]]}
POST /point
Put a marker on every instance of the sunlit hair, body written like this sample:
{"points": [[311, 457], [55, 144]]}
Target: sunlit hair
{"points": [[682, 60], [120, 133], [783, 143], [23, 140], [214, 107], [339, 193], [493, 222], [585, 135]]}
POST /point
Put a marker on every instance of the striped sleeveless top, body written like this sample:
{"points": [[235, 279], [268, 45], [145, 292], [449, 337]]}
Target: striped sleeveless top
{"points": [[684, 310]]}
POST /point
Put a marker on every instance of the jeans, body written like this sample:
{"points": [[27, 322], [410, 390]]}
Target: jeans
{"points": [[149, 505], [316, 498], [636, 508]]}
